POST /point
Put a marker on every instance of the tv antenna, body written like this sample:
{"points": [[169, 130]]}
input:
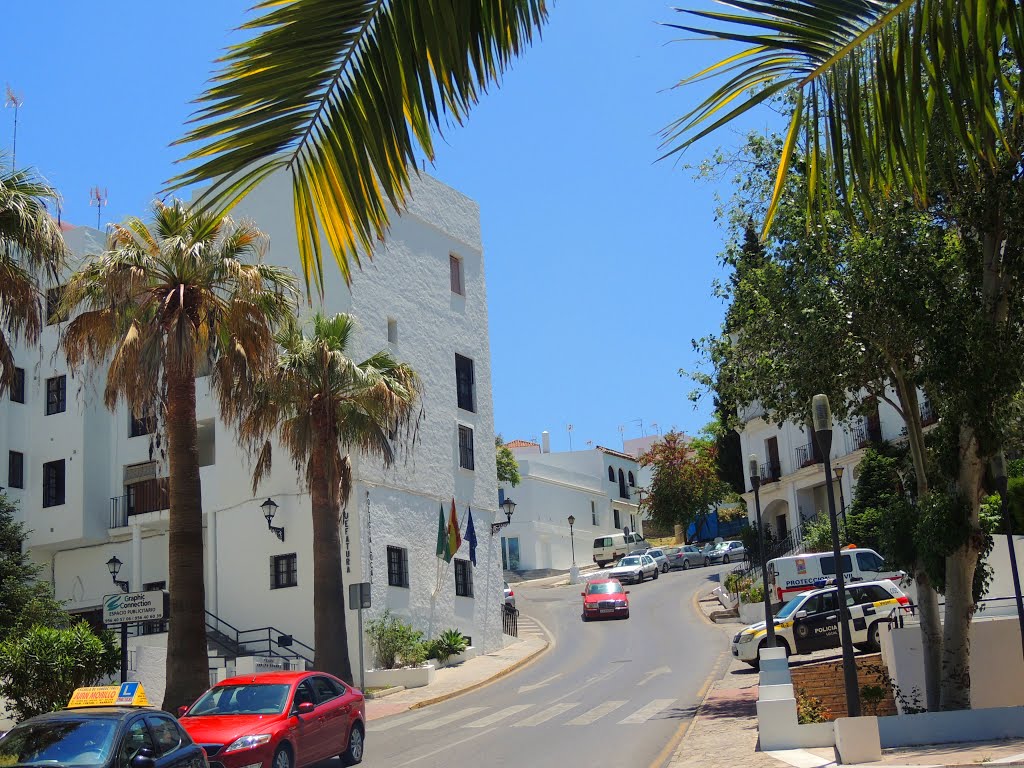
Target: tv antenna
{"points": [[568, 428], [14, 100], [98, 197]]}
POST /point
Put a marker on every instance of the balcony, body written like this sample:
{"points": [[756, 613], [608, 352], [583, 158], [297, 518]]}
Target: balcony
{"points": [[806, 455], [771, 472], [148, 496], [928, 414]]}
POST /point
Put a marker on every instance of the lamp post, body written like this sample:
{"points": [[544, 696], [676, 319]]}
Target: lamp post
{"points": [[1002, 485], [769, 619], [822, 417], [114, 566], [509, 506], [842, 499], [572, 543], [269, 508]]}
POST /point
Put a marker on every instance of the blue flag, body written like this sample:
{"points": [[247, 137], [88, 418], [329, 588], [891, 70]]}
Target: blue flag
{"points": [[471, 538]]}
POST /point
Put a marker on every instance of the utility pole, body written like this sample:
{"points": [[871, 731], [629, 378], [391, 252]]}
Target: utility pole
{"points": [[98, 197], [14, 100]]}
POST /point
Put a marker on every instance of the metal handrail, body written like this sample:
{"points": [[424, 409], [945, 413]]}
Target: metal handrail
{"points": [[241, 641], [895, 618]]}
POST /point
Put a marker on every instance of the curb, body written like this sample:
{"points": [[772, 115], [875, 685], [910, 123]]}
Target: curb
{"points": [[386, 692]]}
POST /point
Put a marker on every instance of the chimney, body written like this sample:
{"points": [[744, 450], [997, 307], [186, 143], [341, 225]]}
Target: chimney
{"points": [[545, 442]]}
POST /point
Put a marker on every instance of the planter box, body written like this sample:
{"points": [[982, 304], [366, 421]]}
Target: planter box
{"points": [[410, 677], [751, 613], [466, 655]]}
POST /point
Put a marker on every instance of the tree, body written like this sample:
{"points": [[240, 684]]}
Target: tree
{"points": [[162, 299], [343, 94], [685, 484], [31, 248], [508, 467], [318, 402], [41, 667], [23, 600]]}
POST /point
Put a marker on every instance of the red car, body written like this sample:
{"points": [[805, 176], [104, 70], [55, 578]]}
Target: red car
{"points": [[605, 598], [278, 720]]}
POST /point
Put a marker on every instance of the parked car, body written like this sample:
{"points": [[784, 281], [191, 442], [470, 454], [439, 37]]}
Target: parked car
{"points": [[659, 557], [605, 599], [789, 576], [684, 557], [811, 621], [612, 546], [510, 596], [726, 552], [278, 720], [635, 568]]}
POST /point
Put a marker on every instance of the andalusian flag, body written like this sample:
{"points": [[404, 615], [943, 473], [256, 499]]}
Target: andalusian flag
{"points": [[454, 537], [442, 536]]}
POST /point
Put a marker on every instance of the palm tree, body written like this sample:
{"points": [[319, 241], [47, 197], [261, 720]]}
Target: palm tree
{"points": [[31, 247], [162, 299], [318, 403], [341, 93]]}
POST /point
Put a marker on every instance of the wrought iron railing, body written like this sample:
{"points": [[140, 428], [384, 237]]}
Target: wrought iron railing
{"points": [[145, 498], [510, 620], [928, 414], [806, 456], [262, 641], [771, 472]]}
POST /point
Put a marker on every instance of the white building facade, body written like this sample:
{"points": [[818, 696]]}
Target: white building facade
{"points": [[597, 487], [88, 488]]}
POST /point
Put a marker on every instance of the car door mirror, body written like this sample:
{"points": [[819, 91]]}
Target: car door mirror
{"points": [[800, 615], [305, 708], [182, 711], [144, 758], [583, 594]]}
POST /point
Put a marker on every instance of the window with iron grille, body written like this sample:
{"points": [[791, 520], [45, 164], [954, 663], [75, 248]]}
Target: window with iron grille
{"points": [[53, 299], [615, 512], [392, 331], [464, 383], [16, 469], [398, 567], [465, 447], [18, 388], [56, 395], [593, 513], [284, 571], [455, 267], [154, 627], [144, 425], [53, 483], [463, 578]]}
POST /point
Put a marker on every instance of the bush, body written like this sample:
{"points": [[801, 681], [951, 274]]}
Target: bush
{"points": [[811, 709], [394, 642], [754, 593], [818, 534], [41, 668], [450, 643], [735, 583]]}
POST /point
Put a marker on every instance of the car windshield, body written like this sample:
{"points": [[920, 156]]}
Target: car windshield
{"points": [[247, 699], [671, 551], [789, 608], [629, 561], [654, 552], [604, 588], [65, 742]]}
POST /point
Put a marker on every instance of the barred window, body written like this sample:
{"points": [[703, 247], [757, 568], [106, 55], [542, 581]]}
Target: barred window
{"points": [[16, 469], [464, 383], [54, 296], [284, 571], [18, 388], [144, 425], [593, 513], [466, 447], [53, 483], [398, 567], [56, 395], [463, 578], [455, 268]]}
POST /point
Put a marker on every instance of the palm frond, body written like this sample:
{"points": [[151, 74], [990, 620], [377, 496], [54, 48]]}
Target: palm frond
{"points": [[341, 93]]}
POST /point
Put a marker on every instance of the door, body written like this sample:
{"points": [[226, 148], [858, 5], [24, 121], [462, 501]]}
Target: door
{"points": [[820, 627], [173, 749], [334, 706], [310, 740], [774, 465], [136, 738]]}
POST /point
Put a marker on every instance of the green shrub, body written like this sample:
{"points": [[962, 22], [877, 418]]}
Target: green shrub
{"points": [[818, 535], [754, 593], [430, 649], [811, 709], [736, 583], [450, 643], [394, 642], [41, 668]]}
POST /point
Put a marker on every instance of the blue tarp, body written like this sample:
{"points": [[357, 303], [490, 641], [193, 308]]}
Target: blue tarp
{"points": [[711, 528]]}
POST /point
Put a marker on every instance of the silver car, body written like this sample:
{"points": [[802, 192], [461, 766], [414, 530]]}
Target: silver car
{"points": [[510, 596], [727, 552], [634, 568], [659, 557], [685, 557]]}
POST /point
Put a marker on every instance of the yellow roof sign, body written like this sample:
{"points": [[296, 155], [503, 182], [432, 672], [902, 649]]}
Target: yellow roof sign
{"points": [[125, 695]]}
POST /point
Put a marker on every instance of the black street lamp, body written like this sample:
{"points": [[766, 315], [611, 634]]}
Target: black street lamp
{"points": [[269, 508], [1002, 485], [509, 506], [769, 618], [572, 521], [842, 499], [114, 566], [822, 417]]}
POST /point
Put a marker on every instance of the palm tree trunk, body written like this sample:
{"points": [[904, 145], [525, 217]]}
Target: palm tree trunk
{"points": [[330, 632], [188, 667]]}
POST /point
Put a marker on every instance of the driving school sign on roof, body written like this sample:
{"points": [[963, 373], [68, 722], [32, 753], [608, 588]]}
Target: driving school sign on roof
{"points": [[129, 607], [126, 695]]}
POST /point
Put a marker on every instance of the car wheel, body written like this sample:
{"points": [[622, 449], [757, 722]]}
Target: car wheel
{"points": [[627, 615], [656, 574], [707, 561], [585, 617], [664, 568], [725, 560], [356, 741], [874, 642], [639, 577], [282, 758], [686, 565]]}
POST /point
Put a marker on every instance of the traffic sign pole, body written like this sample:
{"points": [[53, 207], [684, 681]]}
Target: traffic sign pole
{"points": [[124, 652]]}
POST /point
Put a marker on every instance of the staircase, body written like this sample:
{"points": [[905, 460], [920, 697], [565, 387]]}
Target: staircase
{"points": [[263, 641]]}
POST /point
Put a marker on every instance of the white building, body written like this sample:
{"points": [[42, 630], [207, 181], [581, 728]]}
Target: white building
{"points": [[87, 488], [597, 487]]}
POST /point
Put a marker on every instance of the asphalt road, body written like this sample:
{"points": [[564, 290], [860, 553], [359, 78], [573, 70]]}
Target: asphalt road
{"points": [[608, 693]]}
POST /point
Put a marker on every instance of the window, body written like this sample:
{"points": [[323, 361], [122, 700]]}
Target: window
{"points": [[284, 571], [828, 565], [465, 447], [53, 299], [463, 578], [632, 481], [455, 267], [136, 738], [392, 331], [165, 733], [154, 627], [207, 434], [18, 387], [53, 483], [464, 382], [16, 469], [611, 475], [398, 567], [56, 395], [304, 694], [325, 689], [615, 512], [144, 425], [593, 513], [623, 493], [869, 561]]}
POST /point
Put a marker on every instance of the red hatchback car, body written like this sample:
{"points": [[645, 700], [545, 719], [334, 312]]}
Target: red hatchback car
{"points": [[278, 720], [605, 598]]}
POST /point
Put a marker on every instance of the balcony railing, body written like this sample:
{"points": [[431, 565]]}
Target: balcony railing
{"points": [[771, 472], [928, 414], [806, 456], [148, 499]]}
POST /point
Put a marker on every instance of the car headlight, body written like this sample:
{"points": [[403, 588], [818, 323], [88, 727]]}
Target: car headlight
{"points": [[248, 742], [745, 638]]}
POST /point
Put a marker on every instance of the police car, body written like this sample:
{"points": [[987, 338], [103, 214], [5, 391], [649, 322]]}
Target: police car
{"points": [[810, 621], [102, 727]]}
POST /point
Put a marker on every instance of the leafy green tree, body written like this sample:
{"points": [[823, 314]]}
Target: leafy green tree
{"points": [[685, 484], [508, 467], [41, 667], [878, 491]]}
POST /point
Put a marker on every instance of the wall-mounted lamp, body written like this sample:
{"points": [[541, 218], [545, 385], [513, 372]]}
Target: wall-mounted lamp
{"points": [[114, 566], [269, 508], [509, 506]]}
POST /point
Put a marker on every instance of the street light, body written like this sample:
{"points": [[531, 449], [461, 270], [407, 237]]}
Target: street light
{"points": [[755, 482], [572, 521], [509, 506], [842, 499], [114, 566], [822, 418], [1002, 485], [269, 508]]}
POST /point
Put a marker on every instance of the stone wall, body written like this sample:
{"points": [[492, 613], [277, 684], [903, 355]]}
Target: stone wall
{"points": [[825, 681]]}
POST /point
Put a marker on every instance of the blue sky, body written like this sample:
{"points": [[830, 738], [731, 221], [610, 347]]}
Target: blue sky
{"points": [[599, 258]]}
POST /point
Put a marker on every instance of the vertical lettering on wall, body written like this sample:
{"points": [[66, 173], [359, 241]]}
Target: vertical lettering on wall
{"points": [[348, 553], [369, 536]]}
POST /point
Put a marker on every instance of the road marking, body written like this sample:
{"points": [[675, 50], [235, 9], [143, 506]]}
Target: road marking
{"points": [[597, 713], [541, 684], [445, 748], [644, 714], [590, 682], [498, 716], [391, 722], [545, 715], [654, 673], [438, 722]]}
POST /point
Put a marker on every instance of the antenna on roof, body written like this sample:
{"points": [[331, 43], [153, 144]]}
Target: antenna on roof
{"points": [[568, 428], [14, 100], [622, 437], [98, 197]]}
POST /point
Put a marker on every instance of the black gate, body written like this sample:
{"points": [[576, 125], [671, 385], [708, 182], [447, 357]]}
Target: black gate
{"points": [[510, 620]]}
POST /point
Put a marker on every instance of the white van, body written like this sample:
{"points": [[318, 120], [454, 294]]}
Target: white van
{"points": [[612, 546], [788, 576]]}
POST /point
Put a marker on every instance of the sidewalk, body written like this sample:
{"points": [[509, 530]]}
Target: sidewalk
{"points": [[467, 676]]}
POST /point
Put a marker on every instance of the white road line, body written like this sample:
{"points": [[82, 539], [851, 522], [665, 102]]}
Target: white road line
{"points": [[544, 715], [390, 722], [597, 713], [445, 748], [644, 714], [498, 716], [438, 722]]}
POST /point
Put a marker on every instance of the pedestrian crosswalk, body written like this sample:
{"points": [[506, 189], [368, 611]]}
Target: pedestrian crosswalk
{"points": [[528, 627], [532, 715]]}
